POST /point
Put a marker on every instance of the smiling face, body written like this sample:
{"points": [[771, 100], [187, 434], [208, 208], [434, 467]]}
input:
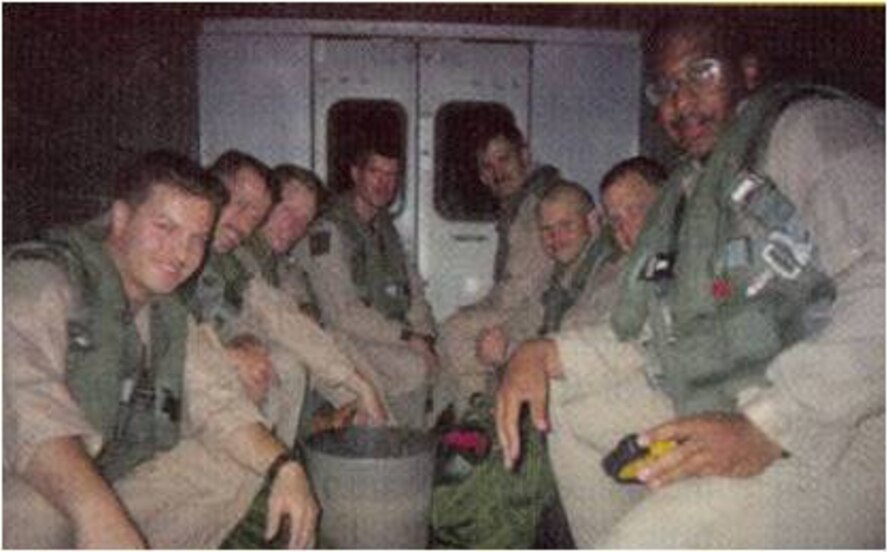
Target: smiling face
{"points": [[565, 229], [502, 167], [375, 184], [626, 203], [289, 219], [249, 202], [693, 116], [157, 244]]}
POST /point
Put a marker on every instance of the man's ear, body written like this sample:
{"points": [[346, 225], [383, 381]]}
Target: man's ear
{"points": [[594, 219], [121, 212], [751, 69], [525, 155], [353, 172]]}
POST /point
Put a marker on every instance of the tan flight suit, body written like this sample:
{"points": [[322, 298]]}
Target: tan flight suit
{"points": [[371, 340], [598, 295], [523, 275], [824, 405], [294, 281], [298, 338], [321, 353], [188, 497]]}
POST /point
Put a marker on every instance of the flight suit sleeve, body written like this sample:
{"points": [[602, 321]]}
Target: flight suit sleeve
{"points": [[215, 400], [527, 264], [524, 322], [341, 307], [293, 281], [280, 321], [37, 405], [828, 157], [592, 358]]}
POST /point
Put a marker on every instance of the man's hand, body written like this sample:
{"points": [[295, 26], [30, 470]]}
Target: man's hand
{"points": [[491, 346], [253, 364], [720, 444], [291, 496], [422, 347], [371, 411], [325, 419], [525, 380]]}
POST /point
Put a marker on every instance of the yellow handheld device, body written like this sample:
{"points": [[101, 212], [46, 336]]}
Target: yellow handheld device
{"points": [[628, 458]]}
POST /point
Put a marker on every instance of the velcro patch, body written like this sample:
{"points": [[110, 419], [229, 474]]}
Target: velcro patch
{"points": [[319, 243]]}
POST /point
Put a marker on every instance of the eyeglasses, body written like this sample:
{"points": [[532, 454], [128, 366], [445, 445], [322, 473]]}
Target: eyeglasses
{"points": [[701, 75], [634, 210]]}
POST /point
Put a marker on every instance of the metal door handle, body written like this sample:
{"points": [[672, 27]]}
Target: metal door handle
{"points": [[469, 237]]}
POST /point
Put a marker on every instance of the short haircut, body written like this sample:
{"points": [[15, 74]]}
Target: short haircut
{"points": [[226, 165], [366, 150], [287, 172], [652, 172], [135, 180], [721, 37], [503, 129], [569, 192]]}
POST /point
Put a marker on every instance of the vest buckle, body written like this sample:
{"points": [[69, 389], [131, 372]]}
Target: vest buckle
{"points": [[786, 256], [659, 267]]}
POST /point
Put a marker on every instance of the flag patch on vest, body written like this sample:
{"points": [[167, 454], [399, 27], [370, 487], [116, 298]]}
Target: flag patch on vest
{"points": [[319, 243]]}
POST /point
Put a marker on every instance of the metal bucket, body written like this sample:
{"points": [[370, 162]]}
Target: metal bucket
{"points": [[374, 486]]}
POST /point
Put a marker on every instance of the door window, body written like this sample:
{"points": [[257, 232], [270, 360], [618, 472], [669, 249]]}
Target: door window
{"points": [[459, 193]]}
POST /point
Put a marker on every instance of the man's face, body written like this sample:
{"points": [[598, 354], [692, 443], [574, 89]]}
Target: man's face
{"points": [[693, 116], [289, 219], [249, 202], [626, 203], [159, 243], [502, 167], [565, 230], [376, 181]]}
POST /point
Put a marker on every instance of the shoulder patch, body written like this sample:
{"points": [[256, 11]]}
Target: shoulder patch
{"points": [[319, 243]]}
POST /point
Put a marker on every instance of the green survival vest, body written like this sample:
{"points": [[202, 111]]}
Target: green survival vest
{"points": [[557, 299], [537, 183], [309, 304], [727, 277], [378, 266], [134, 401], [258, 248], [216, 293]]}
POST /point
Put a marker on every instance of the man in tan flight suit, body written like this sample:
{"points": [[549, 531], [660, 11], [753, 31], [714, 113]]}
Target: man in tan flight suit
{"points": [[569, 228], [269, 340], [303, 196], [520, 266], [784, 449], [369, 294], [271, 252], [124, 425]]}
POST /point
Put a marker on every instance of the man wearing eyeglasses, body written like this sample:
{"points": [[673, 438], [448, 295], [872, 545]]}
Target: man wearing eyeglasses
{"points": [[757, 291]]}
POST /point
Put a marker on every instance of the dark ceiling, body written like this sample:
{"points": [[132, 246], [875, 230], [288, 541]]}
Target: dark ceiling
{"points": [[835, 44], [617, 16], [85, 85]]}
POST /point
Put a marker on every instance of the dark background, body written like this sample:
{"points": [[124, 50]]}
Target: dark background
{"points": [[87, 86]]}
